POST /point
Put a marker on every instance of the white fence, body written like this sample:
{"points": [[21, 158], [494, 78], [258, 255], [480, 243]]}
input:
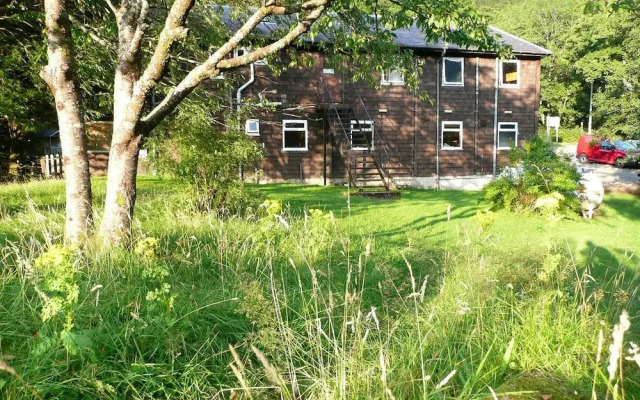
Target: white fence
{"points": [[51, 165]]}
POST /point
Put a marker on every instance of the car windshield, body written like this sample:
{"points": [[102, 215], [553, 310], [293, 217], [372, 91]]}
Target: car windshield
{"points": [[623, 145]]}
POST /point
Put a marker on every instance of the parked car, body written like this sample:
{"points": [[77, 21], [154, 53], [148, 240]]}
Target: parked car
{"points": [[591, 149], [626, 145]]}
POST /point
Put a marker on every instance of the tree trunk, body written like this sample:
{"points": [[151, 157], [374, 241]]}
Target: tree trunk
{"points": [[123, 155], [121, 190], [61, 76]]}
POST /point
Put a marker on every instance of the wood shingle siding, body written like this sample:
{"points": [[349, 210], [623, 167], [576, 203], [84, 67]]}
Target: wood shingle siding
{"points": [[408, 125]]}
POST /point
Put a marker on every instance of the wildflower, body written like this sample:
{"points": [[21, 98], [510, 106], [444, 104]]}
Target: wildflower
{"points": [[463, 307], [509, 286], [147, 248], [616, 346], [634, 353]]}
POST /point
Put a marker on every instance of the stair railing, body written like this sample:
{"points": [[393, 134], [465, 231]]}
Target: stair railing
{"points": [[377, 146], [339, 133]]}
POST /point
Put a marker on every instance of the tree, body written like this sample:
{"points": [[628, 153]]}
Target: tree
{"points": [[358, 29]]}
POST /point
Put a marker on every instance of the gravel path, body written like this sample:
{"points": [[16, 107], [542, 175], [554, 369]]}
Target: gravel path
{"points": [[614, 179]]}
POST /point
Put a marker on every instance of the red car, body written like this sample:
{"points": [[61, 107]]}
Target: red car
{"points": [[603, 151]]}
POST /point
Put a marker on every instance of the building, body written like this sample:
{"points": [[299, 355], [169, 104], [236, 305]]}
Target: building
{"points": [[327, 130]]}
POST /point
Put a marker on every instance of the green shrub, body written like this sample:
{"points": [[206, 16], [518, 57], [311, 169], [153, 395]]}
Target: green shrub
{"points": [[568, 135], [537, 180], [207, 159]]}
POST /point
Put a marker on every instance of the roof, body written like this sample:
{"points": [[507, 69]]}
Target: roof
{"points": [[411, 38], [46, 133]]}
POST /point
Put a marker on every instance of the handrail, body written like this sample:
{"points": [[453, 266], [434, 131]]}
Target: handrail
{"points": [[376, 135], [333, 108]]}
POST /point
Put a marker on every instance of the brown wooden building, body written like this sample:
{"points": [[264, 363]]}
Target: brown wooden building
{"points": [[327, 130]]}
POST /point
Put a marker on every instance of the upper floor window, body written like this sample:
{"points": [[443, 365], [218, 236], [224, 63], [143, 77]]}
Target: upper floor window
{"points": [[510, 73], [453, 71], [252, 127], [295, 135], [392, 77], [451, 138], [507, 135], [241, 51]]}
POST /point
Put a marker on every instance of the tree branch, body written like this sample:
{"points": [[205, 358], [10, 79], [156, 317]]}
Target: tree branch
{"points": [[215, 63], [174, 30], [141, 26], [88, 31], [112, 7]]}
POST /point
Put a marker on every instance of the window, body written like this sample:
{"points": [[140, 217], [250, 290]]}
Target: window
{"points": [[510, 73], [252, 127], [507, 135], [392, 77], [453, 72], [361, 134], [295, 135], [451, 135]]}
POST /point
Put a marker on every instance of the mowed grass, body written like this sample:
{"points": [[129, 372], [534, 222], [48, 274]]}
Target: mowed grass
{"points": [[424, 296]]}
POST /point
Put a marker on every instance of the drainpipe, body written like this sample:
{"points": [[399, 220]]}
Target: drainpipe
{"points": [[475, 122], [252, 78], [415, 129], [438, 72], [495, 123]]}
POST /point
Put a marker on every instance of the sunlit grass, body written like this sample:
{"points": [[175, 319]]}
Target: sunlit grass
{"points": [[387, 299]]}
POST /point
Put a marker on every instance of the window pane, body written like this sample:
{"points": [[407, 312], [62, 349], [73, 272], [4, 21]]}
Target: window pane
{"points": [[506, 139], [395, 76], [295, 139], [294, 125], [507, 126], [453, 71], [449, 126], [450, 139], [510, 73], [252, 125]]}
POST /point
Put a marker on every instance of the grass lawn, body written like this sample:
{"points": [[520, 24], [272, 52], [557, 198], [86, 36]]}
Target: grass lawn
{"points": [[419, 218], [386, 299]]}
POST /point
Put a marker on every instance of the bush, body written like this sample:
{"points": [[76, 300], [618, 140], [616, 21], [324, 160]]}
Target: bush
{"points": [[207, 158], [568, 135], [537, 180]]}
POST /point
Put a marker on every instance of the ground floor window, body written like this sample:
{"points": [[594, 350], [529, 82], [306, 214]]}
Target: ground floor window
{"points": [[295, 135], [252, 127], [451, 138], [507, 135], [361, 134]]}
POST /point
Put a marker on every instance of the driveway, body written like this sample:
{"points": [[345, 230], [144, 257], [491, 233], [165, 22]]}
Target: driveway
{"points": [[624, 180]]}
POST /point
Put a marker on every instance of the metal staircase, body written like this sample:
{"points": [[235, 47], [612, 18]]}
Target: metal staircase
{"points": [[360, 146]]}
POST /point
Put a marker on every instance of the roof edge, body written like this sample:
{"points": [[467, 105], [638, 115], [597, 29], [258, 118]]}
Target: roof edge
{"points": [[543, 51]]}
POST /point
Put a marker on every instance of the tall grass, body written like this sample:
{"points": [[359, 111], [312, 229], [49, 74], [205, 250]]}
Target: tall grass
{"points": [[277, 305]]}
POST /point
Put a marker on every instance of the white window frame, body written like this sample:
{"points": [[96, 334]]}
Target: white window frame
{"points": [[444, 71], [460, 131], [500, 130], [354, 128], [250, 132], [305, 129], [384, 80], [509, 85]]}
